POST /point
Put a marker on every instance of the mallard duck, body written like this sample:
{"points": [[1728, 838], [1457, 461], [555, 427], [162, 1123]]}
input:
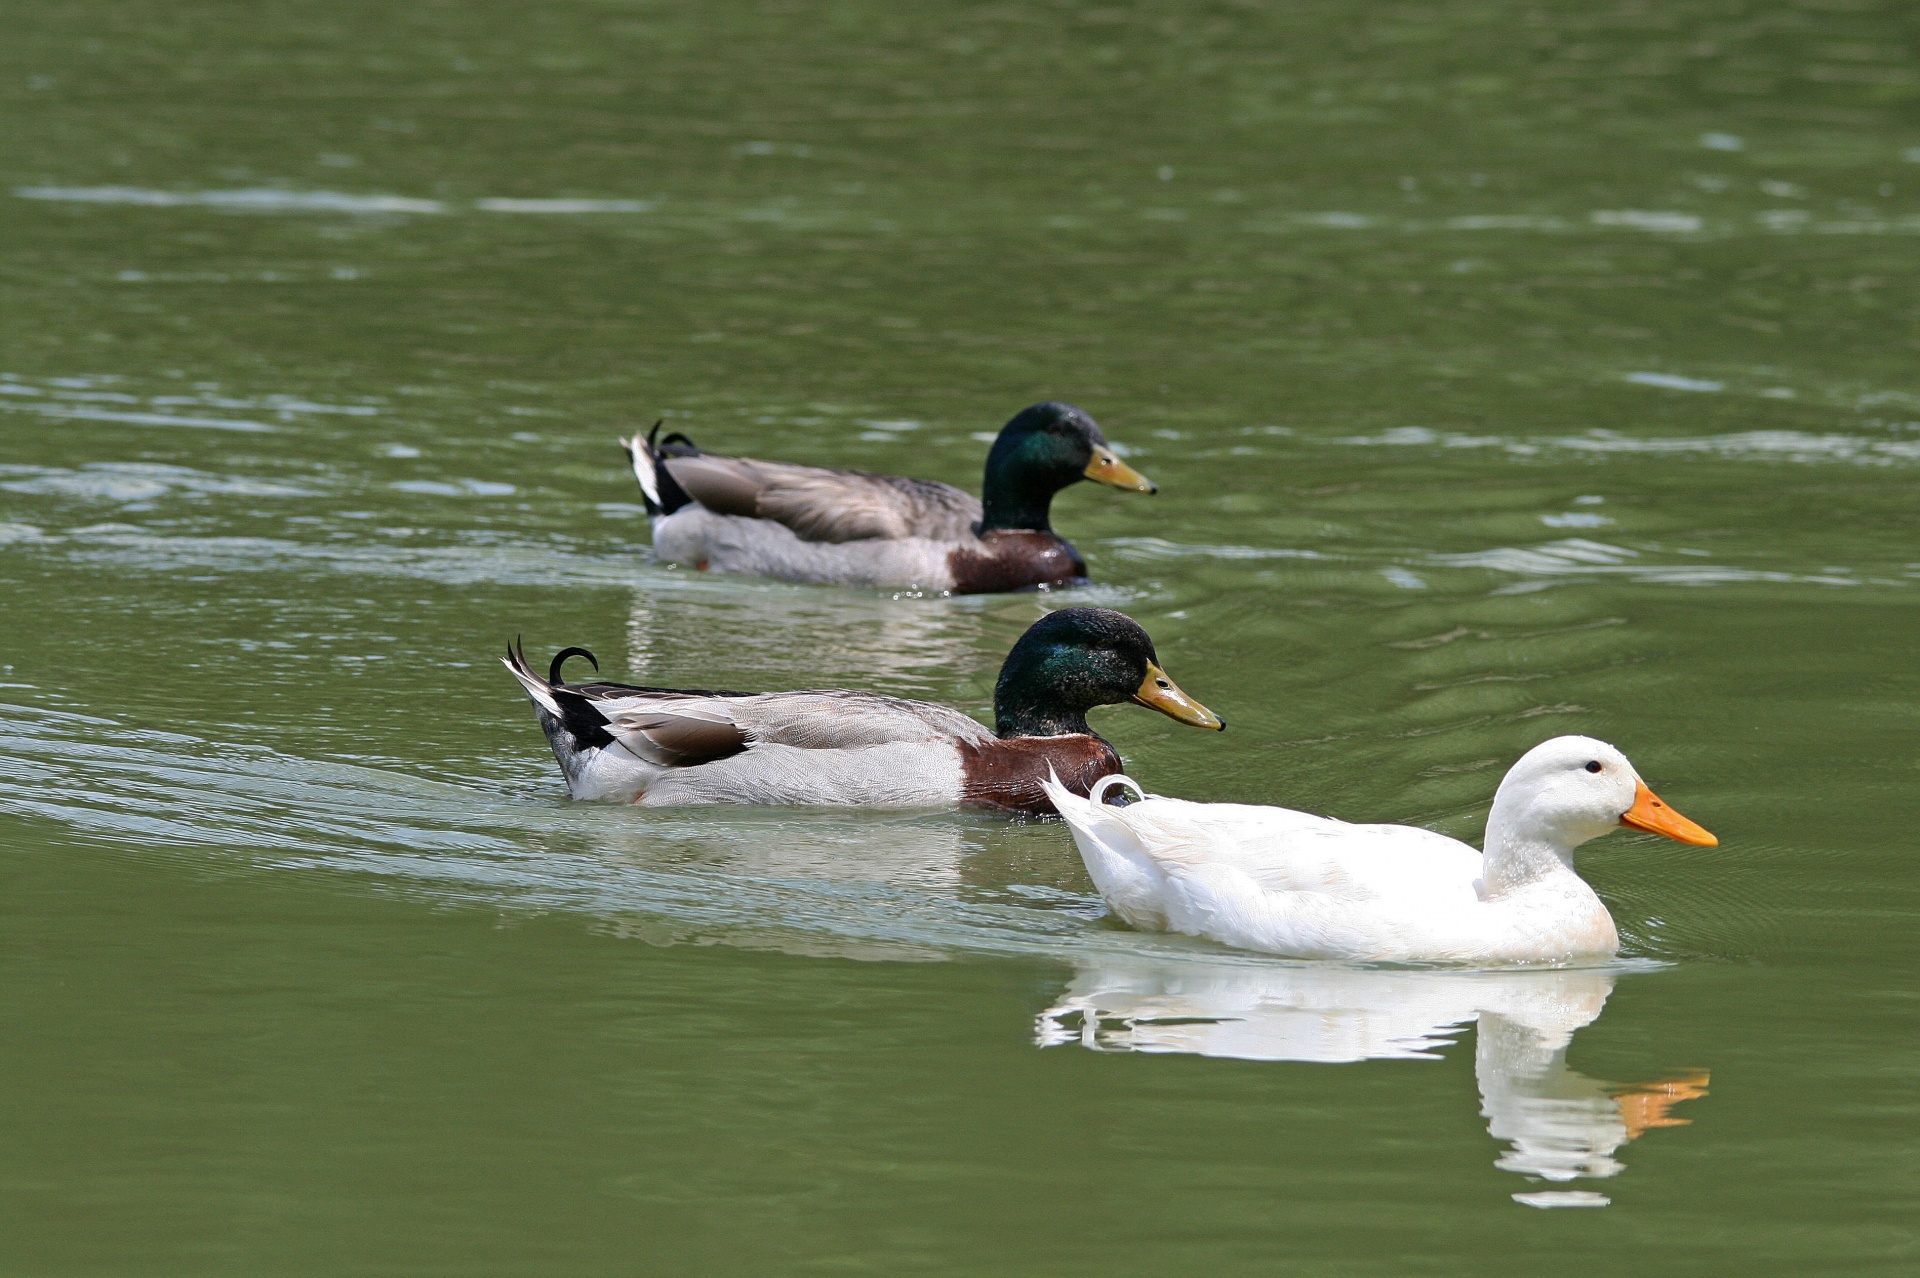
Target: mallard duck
{"points": [[849, 528], [666, 746], [1310, 887]]}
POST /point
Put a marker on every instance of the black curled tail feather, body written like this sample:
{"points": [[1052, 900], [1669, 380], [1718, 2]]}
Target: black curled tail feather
{"points": [[674, 445], [554, 678]]}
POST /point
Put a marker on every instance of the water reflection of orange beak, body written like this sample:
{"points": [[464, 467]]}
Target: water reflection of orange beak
{"points": [[1644, 1106]]}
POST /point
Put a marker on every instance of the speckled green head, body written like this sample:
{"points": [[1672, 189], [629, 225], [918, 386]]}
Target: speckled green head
{"points": [[1041, 451], [1073, 660]]}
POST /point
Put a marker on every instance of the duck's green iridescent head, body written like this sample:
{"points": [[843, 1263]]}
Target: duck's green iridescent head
{"points": [[1073, 660], [1041, 451]]}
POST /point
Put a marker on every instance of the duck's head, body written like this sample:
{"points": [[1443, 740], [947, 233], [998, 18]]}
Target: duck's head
{"points": [[1041, 451], [1571, 789], [1073, 660]]}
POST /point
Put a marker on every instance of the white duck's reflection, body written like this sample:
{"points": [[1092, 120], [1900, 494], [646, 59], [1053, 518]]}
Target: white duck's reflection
{"points": [[1559, 1125]]}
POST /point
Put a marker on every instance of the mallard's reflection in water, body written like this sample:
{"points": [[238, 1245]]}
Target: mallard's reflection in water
{"points": [[911, 850], [768, 638], [1558, 1124]]}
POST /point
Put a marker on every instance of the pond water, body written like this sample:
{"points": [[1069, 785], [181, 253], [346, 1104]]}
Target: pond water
{"points": [[1507, 371]]}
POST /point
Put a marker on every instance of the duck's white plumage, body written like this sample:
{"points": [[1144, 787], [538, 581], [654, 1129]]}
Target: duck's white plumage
{"points": [[1286, 882]]}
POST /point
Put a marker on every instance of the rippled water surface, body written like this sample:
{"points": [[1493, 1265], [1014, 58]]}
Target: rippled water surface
{"points": [[1507, 371]]}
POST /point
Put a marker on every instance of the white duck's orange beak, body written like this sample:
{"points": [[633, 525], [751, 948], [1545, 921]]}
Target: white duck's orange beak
{"points": [[1649, 813]]}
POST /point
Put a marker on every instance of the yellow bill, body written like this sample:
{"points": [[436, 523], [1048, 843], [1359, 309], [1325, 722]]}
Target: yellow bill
{"points": [[1107, 468], [1157, 692], [1651, 814]]}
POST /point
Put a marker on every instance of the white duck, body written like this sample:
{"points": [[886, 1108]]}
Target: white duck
{"points": [[1303, 886]]}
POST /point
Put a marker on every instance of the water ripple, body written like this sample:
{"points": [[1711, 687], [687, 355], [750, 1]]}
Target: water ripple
{"points": [[871, 885], [1756, 445]]}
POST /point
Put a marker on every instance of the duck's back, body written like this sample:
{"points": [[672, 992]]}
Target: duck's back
{"points": [[1287, 851], [822, 504]]}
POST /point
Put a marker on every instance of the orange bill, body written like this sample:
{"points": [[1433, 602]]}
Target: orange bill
{"points": [[1649, 813], [1157, 692], [1107, 468]]}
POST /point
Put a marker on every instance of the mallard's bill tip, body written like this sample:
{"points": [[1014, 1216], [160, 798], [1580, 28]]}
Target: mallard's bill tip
{"points": [[1157, 692], [1107, 468]]}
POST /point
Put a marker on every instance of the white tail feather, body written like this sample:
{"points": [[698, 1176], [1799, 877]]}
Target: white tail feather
{"points": [[643, 464], [1118, 862], [537, 688], [1064, 800]]}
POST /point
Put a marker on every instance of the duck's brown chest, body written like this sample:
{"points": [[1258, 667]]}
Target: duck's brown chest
{"points": [[1007, 774], [1014, 560]]}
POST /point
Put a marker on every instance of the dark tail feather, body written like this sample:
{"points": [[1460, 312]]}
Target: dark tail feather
{"points": [[674, 445], [560, 659]]}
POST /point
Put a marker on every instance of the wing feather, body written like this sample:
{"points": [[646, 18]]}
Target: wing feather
{"points": [[1287, 851], [676, 733], [825, 505], [843, 720], [680, 729]]}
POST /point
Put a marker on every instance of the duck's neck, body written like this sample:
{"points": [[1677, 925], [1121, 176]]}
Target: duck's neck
{"points": [[1519, 852], [1014, 499], [1031, 720]]}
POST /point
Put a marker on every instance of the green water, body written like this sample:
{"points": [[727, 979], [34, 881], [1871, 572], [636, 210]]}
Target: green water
{"points": [[1508, 370]]}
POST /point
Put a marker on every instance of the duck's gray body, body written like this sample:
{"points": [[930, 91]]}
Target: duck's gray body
{"points": [[660, 747], [835, 527], [695, 537]]}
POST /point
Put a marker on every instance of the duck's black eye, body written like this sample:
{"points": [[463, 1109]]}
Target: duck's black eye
{"points": [[1593, 765]]}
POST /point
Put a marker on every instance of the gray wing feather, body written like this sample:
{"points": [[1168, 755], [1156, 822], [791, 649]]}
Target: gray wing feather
{"points": [[675, 729], [820, 504], [839, 720]]}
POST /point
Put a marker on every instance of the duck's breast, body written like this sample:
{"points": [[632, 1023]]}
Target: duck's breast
{"points": [[1007, 773], [1013, 560]]}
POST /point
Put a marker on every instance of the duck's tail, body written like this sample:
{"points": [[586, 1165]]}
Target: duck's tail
{"points": [[574, 729], [1093, 818], [663, 496], [1118, 861]]}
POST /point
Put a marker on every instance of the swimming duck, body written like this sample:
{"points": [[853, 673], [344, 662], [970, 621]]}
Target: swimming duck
{"points": [[849, 528], [1285, 882], [662, 746]]}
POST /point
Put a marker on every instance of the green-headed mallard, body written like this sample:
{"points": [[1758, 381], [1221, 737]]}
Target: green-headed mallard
{"points": [[848, 528], [665, 746]]}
